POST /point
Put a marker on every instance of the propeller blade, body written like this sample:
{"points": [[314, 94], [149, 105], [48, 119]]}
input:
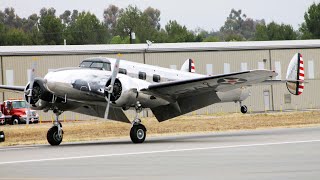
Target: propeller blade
{"points": [[106, 114], [29, 91], [110, 87]]}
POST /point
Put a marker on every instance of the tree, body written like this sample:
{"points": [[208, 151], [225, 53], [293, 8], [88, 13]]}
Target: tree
{"points": [[178, 33], [66, 17], [211, 39], [310, 28], [111, 15], [119, 40], [50, 26], [17, 37], [87, 29], [2, 34], [239, 27], [274, 31], [10, 19], [129, 22], [153, 16], [30, 23]]}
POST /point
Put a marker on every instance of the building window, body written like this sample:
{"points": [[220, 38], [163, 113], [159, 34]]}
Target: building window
{"points": [[310, 69], [226, 69], [209, 69], [9, 77], [156, 78], [244, 66], [122, 71], [173, 67], [287, 98], [142, 75], [278, 69], [261, 65]]}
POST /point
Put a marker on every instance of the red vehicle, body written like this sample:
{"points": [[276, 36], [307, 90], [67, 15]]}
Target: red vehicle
{"points": [[2, 119], [15, 112]]}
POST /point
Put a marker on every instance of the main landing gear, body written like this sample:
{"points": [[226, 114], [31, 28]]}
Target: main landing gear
{"points": [[55, 133], [138, 131], [243, 108]]}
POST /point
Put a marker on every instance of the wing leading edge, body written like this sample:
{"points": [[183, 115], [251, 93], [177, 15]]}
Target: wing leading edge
{"points": [[8, 88]]}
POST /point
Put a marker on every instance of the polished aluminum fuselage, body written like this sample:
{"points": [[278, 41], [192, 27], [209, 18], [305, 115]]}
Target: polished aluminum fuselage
{"points": [[85, 85]]}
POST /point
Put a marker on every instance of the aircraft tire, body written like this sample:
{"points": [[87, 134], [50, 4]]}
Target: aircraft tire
{"points": [[244, 109], [2, 136], [138, 133], [53, 137]]}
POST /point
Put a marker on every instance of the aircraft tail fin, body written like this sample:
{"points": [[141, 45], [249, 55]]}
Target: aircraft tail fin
{"points": [[295, 73], [188, 66]]}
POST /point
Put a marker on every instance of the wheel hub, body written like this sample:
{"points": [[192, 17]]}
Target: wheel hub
{"points": [[140, 134], [56, 136]]}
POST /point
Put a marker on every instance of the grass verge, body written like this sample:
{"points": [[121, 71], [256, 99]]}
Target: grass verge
{"points": [[100, 129]]}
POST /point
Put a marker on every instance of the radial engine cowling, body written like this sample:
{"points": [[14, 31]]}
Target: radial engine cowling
{"points": [[124, 92], [40, 95]]}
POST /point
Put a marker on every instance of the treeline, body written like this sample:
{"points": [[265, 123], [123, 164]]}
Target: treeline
{"points": [[118, 25]]}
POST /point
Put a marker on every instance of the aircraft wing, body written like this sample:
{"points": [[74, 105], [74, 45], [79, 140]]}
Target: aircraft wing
{"points": [[7, 88], [218, 83], [192, 94]]}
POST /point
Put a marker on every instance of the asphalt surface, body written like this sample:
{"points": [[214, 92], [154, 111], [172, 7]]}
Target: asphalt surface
{"points": [[260, 154]]}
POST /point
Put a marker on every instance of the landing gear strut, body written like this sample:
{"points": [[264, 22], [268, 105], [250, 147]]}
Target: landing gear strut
{"points": [[55, 133], [243, 108], [138, 131]]}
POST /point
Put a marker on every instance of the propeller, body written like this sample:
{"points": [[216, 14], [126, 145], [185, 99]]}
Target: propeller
{"points": [[30, 89], [109, 89]]}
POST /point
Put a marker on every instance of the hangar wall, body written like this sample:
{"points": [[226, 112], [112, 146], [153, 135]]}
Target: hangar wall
{"points": [[263, 97]]}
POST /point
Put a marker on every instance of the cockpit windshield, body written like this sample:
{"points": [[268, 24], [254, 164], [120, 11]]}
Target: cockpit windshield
{"points": [[97, 65]]}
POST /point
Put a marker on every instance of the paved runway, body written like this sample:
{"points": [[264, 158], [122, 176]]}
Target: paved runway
{"points": [[260, 154]]}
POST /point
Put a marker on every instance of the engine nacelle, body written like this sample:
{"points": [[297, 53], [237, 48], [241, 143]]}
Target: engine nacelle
{"points": [[40, 95], [124, 92], [234, 95]]}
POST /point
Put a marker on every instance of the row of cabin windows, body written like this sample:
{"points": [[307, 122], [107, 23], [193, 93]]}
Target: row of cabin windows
{"points": [[142, 75]]}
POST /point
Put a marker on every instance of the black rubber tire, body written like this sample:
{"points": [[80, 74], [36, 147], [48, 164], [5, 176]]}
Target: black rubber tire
{"points": [[244, 109], [3, 138], [138, 133], [52, 136], [15, 121], [4, 123]]}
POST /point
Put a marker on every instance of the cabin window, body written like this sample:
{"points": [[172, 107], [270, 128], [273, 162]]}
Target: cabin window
{"points": [[142, 75], [156, 78], [122, 71]]}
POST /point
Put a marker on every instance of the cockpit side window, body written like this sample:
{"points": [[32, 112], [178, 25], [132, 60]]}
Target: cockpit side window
{"points": [[86, 64], [98, 65]]}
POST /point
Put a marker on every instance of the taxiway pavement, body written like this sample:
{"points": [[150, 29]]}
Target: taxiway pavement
{"points": [[259, 154]]}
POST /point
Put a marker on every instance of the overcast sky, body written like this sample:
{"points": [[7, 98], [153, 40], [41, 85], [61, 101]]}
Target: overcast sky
{"points": [[206, 14]]}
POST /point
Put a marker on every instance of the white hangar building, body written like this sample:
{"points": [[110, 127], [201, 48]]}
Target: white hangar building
{"points": [[210, 58]]}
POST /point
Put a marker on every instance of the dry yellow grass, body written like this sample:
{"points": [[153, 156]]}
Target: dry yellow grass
{"points": [[99, 129]]}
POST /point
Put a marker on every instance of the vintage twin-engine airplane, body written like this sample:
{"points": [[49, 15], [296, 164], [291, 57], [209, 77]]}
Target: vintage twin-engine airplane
{"points": [[106, 87]]}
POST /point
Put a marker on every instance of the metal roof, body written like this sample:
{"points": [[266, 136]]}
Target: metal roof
{"points": [[164, 47]]}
